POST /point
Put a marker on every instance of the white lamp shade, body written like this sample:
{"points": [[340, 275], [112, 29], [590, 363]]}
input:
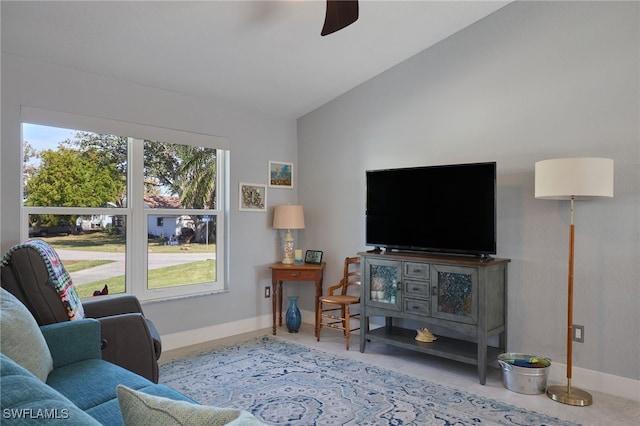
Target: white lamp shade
{"points": [[581, 178], [288, 217]]}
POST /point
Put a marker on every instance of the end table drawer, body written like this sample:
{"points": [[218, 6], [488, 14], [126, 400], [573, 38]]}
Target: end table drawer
{"points": [[417, 307], [417, 270], [296, 275]]}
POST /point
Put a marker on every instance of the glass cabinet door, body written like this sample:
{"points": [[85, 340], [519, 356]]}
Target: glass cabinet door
{"points": [[454, 293], [383, 283]]}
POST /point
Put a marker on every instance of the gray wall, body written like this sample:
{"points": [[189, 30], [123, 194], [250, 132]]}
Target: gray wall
{"points": [[254, 138], [533, 81]]}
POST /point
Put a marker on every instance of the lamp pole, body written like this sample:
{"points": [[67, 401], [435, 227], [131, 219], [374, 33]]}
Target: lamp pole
{"points": [[567, 394]]}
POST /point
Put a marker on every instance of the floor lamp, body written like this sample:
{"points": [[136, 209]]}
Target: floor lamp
{"points": [[572, 179]]}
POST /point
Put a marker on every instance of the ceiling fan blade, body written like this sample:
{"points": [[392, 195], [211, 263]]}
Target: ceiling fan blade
{"points": [[340, 13]]}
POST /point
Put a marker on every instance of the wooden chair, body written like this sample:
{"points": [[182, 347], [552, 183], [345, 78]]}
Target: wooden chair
{"points": [[334, 309]]}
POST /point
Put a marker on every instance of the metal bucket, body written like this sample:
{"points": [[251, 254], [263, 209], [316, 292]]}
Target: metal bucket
{"points": [[528, 380]]}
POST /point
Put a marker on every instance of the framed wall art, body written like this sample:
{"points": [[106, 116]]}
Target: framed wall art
{"points": [[280, 174], [253, 197]]}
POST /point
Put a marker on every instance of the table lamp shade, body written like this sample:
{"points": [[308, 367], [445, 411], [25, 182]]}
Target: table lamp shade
{"points": [[288, 217], [580, 178]]}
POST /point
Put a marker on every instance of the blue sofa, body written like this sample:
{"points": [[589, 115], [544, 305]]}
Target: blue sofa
{"points": [[54, 374], [81, 389]]}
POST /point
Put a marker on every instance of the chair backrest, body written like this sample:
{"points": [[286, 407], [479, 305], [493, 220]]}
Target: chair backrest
{"points": [[351, 278], [26, 277]]}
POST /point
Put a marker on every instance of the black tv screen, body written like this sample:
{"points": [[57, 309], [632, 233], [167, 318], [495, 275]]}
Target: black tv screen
{"points": [[445, 209]]}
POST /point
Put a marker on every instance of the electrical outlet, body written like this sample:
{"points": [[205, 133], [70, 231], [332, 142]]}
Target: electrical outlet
{"points": [[267, 292], [578, 333]]}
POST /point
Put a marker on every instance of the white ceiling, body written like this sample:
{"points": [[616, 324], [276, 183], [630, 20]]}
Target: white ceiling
{"points": [[262, 55]]}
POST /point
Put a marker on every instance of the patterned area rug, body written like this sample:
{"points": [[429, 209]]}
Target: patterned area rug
{"points": [[287, 384]]}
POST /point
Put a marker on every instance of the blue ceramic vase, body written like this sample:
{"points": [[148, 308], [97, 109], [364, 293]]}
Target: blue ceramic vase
{"points": [[293, 317]]}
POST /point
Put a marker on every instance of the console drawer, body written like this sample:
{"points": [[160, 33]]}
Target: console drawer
{"points": [[417, 289], [416, 270], [417, 307]]}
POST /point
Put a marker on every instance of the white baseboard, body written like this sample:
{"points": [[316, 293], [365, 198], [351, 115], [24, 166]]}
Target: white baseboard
{"points": [[595, 381], [588, 380], [213, 332]]}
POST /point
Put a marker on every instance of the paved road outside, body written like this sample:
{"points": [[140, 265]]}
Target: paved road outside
{"points": [[155, 260]]}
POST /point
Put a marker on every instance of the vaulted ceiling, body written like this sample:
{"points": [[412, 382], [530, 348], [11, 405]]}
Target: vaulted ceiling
{"points": [[262, 55]]}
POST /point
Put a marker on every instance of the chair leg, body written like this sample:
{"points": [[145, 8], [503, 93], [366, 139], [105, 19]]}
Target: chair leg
{"points": [[347, 326], [318, 320]]}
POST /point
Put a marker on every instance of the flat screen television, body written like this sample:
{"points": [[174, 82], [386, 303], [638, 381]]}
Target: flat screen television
{"points": [[441, 209]]}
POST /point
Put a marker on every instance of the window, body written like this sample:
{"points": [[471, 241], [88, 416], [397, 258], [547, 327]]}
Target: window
{"points": [[109, 202]]}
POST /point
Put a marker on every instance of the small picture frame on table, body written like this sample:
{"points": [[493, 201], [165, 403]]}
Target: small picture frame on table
{"points": [[313, 257]]}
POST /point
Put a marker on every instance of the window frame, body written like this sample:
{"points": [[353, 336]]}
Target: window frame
{"points": [[135, 212]]}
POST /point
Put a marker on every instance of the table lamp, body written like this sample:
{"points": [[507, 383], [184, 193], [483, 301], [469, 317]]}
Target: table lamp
{"points": [[288, 217], [572, 179]]}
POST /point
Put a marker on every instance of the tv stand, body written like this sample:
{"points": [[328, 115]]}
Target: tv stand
{"points": [[463, 301]]}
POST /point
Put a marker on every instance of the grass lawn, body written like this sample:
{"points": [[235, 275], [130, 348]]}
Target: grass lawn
{"points": [[185, 274], [79, 265], [98, 241]]}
